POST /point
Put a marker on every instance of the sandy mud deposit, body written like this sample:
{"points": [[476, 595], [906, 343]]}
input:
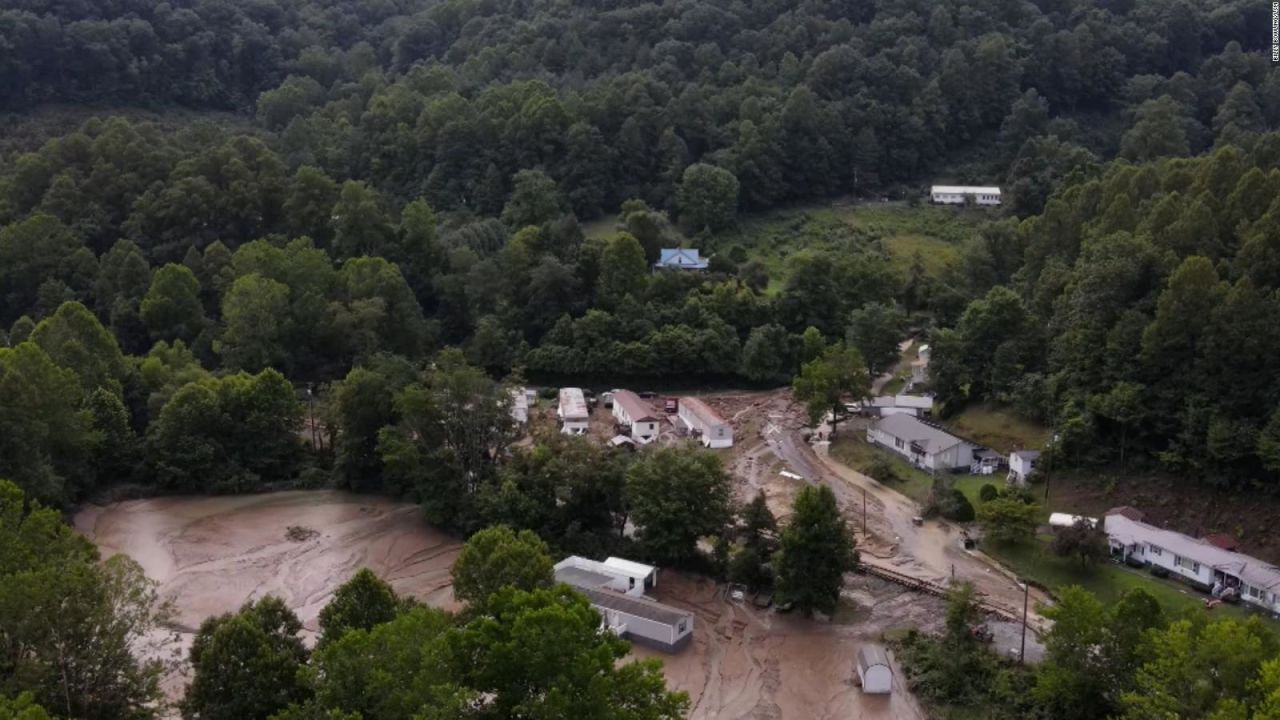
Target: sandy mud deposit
{"points": [[211, 554], [760, 665]]}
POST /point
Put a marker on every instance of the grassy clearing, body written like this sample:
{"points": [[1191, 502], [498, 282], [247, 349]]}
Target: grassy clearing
{"points": [[1108, 581], [858, 454], [998, 428]]}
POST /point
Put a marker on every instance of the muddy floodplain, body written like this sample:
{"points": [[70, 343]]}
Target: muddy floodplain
{"points": [[212, 554]]}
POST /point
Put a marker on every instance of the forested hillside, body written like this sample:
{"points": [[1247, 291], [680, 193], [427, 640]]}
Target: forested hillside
{"points": [[448, 100], [1144, 319]]}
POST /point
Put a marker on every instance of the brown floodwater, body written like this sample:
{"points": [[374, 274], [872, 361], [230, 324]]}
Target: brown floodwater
{"points": [[210, 555]]}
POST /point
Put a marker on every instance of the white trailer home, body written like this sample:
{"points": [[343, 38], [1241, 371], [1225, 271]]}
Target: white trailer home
{"points": [[874, 672], [1221, 572], [913, 405], [925, 446], [520, 406], [632, 412], [960, 194], [573, 412], [711, 429], [616, 588]]}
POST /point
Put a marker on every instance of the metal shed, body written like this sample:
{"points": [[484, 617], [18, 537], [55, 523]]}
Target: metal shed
{"points": [[874, 672]]}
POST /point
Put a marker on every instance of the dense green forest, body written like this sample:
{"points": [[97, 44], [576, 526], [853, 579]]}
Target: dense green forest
{"points": [[1142, 318], [385, 239]]}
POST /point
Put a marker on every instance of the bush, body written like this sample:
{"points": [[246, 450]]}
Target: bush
{"points": [[948, 502], [958, 508], [882, 470], [988, 492]]}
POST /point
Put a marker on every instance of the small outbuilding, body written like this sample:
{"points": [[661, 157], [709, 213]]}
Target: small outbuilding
{"points": [[680, 259], [874, 672], [1021, 464]]}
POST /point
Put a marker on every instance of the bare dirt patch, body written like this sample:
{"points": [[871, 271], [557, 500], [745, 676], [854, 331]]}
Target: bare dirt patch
{"points": [[212, 554], [759, 664]]}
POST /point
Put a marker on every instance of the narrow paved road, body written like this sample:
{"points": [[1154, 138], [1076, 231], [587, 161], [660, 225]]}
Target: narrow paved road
{"points": [[931, 551]]}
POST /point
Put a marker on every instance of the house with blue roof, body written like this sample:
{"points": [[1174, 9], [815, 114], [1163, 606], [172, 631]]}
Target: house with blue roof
{"points": [[680, 259]]}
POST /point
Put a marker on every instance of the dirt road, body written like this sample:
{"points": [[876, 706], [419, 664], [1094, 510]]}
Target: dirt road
{"points": [[931, 551]]}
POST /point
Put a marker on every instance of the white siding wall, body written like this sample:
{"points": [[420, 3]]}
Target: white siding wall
{"points": [[644, 431]]}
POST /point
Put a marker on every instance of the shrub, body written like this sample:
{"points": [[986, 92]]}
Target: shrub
{"points": [[882, 470], [988, 492]]}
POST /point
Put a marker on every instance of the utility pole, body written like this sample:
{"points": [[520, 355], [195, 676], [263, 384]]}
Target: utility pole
{"points": [[311, 412], [865, 534], [1026, 593]]}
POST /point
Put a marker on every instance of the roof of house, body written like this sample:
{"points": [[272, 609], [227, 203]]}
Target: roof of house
{"points": [[646, 609], [630, 568], [680, 258], [1251, 570], [638, 410], [519, 399], [619, 440], [1226, 542], [1027, 454], [907, 427], [872, 655], [573, 404], [1128, 511], [582, 577], [918, 402], [965, 189], [702, 410]]}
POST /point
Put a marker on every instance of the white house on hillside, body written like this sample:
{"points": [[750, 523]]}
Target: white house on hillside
{"points": [[913, 405], [1199, 562], [959, 194], [680, 259], [573, 412], [1021, 464], [923, 445], [712, 430], [631, 411]]}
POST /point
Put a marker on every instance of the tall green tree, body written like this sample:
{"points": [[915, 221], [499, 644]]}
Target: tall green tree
{"points": [[676, 497], [361, 603], [708, 197], [875, 329], [499, 557], [171, 309], [816, 551], [623, 270], [826, 383]]}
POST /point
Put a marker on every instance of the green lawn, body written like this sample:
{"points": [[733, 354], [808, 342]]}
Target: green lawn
{"points": [[1107, 580], [857, 453], [998, 428]]}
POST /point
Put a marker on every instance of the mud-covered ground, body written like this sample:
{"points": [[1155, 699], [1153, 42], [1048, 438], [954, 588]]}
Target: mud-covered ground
{"points": [[210, 555], [761, 665]]}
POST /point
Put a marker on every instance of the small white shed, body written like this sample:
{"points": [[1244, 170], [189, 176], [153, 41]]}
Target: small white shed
{"points": [[874, 672]]}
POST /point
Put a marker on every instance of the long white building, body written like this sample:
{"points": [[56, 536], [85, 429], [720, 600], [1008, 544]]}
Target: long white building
{"points": [[924, 445], [1196, 561], [629, 410], [959, 194], [574, 415], [616, 589], [711, 429]]}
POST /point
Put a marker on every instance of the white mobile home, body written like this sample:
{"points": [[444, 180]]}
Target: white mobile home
{"points": [[616, 588], [874, 672], [924, 445], [913, 405], [1222, 572], [520, 406], [959, 194], [632, 412], [1021, 464], [573, 412], [711, 429]]}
